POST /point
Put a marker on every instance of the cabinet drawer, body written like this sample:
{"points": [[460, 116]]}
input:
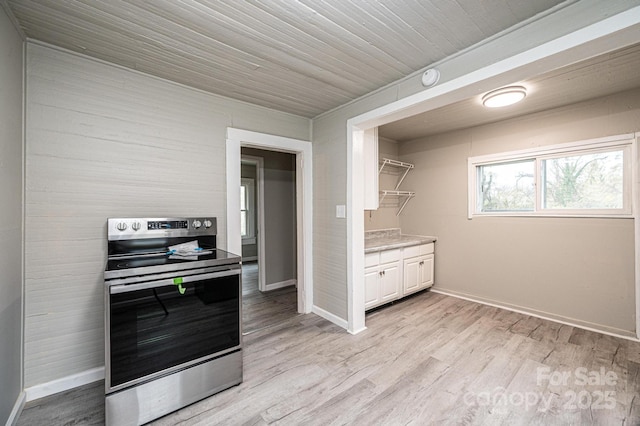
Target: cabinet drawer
{"points": [[387, 256], [371, 259], [420, 250]]}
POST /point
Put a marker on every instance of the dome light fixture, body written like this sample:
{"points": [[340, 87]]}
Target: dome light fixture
{"points": [[504, 96]]}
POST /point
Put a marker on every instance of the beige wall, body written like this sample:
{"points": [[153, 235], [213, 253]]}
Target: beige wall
{"points": [[11, 165], [575, 269], [103, 142]]}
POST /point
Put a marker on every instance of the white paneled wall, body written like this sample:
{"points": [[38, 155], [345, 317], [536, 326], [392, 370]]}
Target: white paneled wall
{"points": [[329, 232], [104, 142], [329, 190]]}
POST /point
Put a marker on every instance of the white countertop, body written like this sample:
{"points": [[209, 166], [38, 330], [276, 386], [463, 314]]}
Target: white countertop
{"points": [[387, 239]]}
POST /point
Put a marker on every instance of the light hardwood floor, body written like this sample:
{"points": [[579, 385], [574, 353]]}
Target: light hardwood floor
{"points": [[431, 359], [264, 309]]}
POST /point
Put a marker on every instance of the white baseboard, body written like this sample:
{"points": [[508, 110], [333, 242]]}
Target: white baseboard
{"points": [[17, 409], [249, 258], [281, 284], [64, 383], [542, 315], [354, 332], [330, 317]]}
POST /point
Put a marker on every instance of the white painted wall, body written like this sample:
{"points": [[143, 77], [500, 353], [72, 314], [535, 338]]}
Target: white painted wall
{"points": [[577, 270], [330, 189], [103, 141], [11, 167]]}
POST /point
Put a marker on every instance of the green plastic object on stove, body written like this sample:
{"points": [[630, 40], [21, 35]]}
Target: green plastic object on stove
{"points": [[178, 282]]}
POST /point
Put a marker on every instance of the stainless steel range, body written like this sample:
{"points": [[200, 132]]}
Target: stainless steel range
{"points": [[173, 329]]}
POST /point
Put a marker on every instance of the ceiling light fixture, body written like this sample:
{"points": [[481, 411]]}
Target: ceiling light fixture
{"points": [[504, 96]]}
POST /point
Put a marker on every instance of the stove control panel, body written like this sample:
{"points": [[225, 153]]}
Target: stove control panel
{"points": [[167, 224], [133, 228]]}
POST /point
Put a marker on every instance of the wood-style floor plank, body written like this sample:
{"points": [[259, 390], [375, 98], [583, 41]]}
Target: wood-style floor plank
{"points": [[80, 406], [430, 359], [264, 309]]}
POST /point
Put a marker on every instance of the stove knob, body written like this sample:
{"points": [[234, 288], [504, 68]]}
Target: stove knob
{"points": [[197, 224], [121, 226], [207, 223], [136, 226]]}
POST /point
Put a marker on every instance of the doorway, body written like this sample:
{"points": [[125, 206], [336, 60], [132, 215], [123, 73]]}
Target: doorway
{"points": [[252, 214], [302, 150], [268, 231]]}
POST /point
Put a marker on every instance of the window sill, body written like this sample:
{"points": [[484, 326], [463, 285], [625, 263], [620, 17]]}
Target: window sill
{"points": [[624, 215]]}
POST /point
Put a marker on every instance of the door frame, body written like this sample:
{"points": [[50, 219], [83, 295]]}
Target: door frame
{"points": [[258, 162], [237, 138]]}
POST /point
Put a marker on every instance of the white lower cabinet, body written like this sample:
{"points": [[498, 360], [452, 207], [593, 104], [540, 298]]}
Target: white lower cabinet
{"points": [[371, 287], [418, 274], [382, 279], [390, 282], [392, 274]]}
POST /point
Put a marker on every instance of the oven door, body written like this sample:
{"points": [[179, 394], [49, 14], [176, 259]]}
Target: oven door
{"points": [[157, 327]]}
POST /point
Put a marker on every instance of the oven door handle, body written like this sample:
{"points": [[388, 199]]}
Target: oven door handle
{"points": [[124, 288]]}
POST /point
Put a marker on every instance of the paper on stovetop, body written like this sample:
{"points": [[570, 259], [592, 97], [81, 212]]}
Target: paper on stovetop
{"points": [[187, 251]]}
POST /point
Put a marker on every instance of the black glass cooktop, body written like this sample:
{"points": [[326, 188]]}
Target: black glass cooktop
{"points": [[142, 265]]}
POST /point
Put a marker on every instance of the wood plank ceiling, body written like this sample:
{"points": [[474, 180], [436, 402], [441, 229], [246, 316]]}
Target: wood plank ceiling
{"points": [[304, 57]]}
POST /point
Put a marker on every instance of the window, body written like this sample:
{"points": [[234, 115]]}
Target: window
{"points": [[247, 208], [589, 178], [584, 181], [506, 187]]}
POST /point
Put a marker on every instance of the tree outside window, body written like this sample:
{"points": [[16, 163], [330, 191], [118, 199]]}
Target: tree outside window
{"points": [[507, 187], [588, 181]]}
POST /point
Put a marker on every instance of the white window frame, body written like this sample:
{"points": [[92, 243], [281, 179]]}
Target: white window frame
{"points": [[250, 184], [626, 142]]}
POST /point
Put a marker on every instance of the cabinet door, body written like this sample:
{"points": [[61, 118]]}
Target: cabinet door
{"points": [[390, 282], [370, 152], [426, 271], [371, 287], [412, 275]]}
